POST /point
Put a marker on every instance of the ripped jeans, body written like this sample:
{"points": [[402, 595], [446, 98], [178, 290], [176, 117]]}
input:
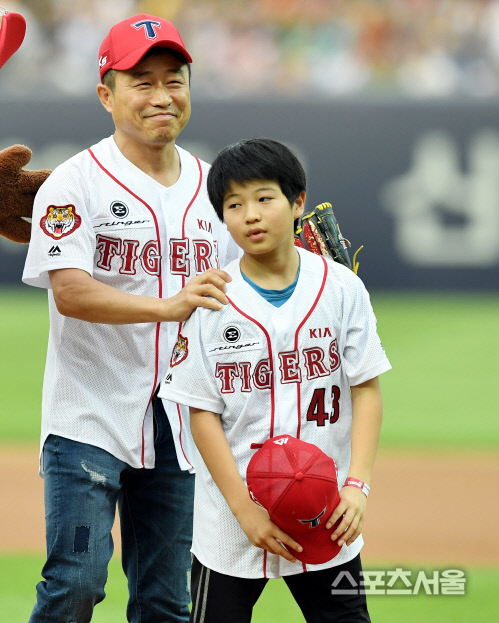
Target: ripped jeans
{"points": [[83, 485]]}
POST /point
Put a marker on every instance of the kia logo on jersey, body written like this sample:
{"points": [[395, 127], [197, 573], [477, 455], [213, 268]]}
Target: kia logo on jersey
{"points": [[119, 209], [231, 334]]}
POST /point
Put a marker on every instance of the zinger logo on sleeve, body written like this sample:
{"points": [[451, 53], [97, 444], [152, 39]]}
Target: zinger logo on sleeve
{"points": [[60, 221]]}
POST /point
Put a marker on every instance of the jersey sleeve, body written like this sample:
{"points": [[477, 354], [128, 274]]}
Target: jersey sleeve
{"points": [[61, 232], [189, 379], [363, 354]]}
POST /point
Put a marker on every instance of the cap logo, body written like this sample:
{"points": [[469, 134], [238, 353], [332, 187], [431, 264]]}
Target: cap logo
{"points": [[148, 27], [315, 521], [281, 442], [103, 59]]}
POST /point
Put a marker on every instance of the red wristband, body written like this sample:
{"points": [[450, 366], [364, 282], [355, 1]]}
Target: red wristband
{"points": [[354, 482]]}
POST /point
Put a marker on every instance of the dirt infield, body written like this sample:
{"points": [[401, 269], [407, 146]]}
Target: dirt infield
{"points": [[427, 509]]}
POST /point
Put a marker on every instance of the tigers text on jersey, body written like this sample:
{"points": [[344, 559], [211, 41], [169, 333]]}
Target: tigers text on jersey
{"points": [[99, 213], [272, 371]]}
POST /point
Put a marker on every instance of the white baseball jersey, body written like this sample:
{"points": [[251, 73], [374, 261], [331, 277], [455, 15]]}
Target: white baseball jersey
{"points": [[272, 371], [98, 212]]}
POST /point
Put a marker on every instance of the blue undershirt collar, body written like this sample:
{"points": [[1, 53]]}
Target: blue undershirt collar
{"points": [[275, 297]]}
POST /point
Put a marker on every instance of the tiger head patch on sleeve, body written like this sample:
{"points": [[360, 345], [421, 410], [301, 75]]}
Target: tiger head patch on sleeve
{"points": [[60, 221], [180, 351]]}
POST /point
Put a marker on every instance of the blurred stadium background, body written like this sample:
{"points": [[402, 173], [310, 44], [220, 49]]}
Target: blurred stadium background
{"points": [[393, 106]]}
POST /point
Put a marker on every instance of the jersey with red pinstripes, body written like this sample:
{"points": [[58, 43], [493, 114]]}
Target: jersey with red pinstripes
{"points": [[272, 371], [99, 213]]}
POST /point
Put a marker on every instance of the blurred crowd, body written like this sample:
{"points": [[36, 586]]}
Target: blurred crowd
{"points": [[275, 48]]}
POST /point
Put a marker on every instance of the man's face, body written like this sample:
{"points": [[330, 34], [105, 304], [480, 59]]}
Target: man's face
{"points": [[151, 102], [259, 217]]}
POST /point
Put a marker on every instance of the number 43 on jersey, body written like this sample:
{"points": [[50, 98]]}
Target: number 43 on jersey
{"points": [[317, 410]]}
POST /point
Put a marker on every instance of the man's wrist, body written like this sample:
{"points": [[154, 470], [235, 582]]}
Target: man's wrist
{"points": [[165, 311], [358, 484]]}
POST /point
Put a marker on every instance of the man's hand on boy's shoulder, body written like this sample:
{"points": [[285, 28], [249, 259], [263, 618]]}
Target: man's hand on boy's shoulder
{"points": [[204, 290], [352, 507], [263, 533]]}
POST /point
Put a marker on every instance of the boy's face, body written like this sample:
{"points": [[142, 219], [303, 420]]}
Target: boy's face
{"points": [[259, 216]]}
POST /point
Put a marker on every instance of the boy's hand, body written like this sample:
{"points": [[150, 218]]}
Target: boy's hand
{"points": [[262, 532], [352, 507]]}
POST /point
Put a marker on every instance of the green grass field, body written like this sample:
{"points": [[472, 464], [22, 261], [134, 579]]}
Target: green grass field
{"points": [[19, 575], [440, 395], [441, 392]]}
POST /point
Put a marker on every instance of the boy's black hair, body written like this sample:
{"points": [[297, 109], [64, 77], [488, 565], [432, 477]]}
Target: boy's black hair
{"points": [[255, 159]]}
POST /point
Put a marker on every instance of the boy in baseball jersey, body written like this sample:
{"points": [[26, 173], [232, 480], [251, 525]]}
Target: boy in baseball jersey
{"points": [[296, 352]]}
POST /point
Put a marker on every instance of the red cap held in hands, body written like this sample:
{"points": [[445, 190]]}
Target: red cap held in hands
{"points": [[129, 40], [297, 483], [12, 31]]}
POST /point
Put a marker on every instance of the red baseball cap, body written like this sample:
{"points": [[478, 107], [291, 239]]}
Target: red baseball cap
{"points": [[297, 483], [128, 41], [12, 31]]}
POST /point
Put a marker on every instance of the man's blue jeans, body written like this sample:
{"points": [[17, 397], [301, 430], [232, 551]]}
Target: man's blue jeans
{"points": [[83, 484]]}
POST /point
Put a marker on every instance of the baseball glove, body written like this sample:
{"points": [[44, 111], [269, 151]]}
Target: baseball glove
{"points": [[319, 232]]}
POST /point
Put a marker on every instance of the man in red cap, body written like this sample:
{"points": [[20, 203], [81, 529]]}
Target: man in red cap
{"points": [[127, 243]]}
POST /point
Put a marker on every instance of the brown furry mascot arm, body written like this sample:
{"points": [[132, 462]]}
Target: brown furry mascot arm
{"points": [[18, 188]]}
